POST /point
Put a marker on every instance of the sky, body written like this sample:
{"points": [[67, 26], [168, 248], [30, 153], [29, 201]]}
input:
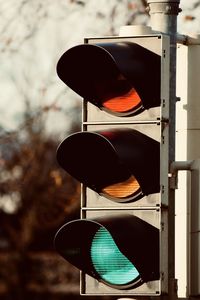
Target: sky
{"points": [[33, 36]]}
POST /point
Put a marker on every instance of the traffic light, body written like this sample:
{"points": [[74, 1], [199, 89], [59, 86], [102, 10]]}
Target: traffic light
{"points": [[120, 86], [121, 159]]}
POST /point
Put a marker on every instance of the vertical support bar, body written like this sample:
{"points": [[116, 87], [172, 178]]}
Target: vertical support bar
{"points": [[163, 15], [184, 177], [194, 230], [188, 144]]}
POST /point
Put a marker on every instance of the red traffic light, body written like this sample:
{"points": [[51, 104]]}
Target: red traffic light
{"points": [[121, 78]]}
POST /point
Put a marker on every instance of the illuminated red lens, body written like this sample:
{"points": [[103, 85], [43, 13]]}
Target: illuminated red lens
{"points": [[124, 103]]}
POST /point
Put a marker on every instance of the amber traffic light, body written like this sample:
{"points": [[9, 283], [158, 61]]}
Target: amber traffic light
{"points": [[121, 164]]}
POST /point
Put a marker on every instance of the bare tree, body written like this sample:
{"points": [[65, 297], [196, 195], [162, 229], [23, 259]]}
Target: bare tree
{"points": [[36, 196], [42, 197]]}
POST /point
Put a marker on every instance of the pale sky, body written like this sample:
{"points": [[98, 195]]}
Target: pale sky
{"points": [[35, 34]]}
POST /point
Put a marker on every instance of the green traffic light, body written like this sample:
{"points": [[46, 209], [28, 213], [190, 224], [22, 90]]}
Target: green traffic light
{"points": [[108, 261]]}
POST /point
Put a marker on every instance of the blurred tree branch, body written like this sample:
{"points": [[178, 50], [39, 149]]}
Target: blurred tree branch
{"points": [[36, 196]]}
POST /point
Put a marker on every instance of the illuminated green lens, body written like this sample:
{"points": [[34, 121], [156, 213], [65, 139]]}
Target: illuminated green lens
{"points": [[109, 262]]}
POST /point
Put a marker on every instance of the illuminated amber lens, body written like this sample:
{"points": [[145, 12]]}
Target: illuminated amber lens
{"points": [[124, 103], [122, 189]]}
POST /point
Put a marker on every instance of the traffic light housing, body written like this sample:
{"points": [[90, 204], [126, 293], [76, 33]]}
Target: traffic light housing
{"points": [[116, 78], [121, 159], [113, 156], [108, 254]]}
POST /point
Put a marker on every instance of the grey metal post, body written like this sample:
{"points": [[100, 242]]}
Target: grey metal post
{"points": [[163, 17]]}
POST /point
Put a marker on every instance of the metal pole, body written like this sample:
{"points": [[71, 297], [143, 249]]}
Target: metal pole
{"points": [[163, 17]]}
